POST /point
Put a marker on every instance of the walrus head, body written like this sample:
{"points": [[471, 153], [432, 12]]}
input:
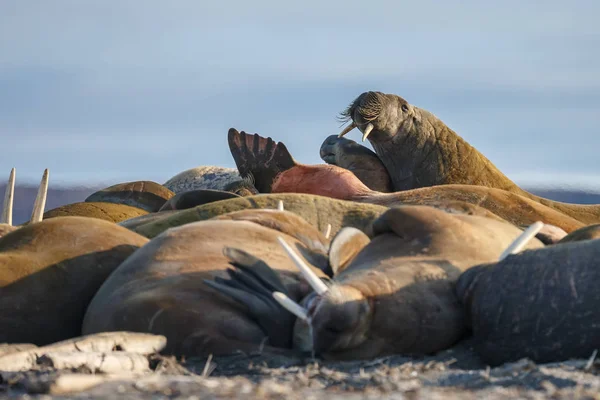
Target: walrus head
{"points": [[380, 116]]}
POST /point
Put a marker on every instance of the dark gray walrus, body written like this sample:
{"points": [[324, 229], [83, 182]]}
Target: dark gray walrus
{"points": [[543, 304]]}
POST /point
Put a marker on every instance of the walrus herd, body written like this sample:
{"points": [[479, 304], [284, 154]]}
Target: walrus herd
{"points": [[405, 250]]}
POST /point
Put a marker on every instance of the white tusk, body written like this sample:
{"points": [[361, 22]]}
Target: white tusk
{"points": [[347, 129], [280, 205], [312, 278], [368, 130], [522, 240], [328, 231], [40, 200], [290, 305], [9, 193]]}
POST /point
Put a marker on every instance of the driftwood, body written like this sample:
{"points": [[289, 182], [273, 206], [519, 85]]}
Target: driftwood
{"points": [[101, 343], [114, 362], [9, 348]]}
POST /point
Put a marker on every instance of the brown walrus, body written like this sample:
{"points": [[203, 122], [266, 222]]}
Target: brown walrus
{"points": [[363, 163], [542, 304], [147, 195], [6, 225], [419, 150], [254, 154], [160, 288], [319, 211], [112, 212], [50, 270], [396, 296]]}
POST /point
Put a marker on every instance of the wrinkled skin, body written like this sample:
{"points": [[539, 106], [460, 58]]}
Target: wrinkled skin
{"points": [[542, 304], [316, 210], [49, 272], [107, 211], [203, 177], [147, 195], [160, 289], [340, 183], [419, 150], [396, 296]]}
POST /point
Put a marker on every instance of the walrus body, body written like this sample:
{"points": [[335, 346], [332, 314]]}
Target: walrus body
{"points": [[318, 211], [340, 183], [147, 195], [396, 296], [361, 161], [586, 233], [194, 198], [419, 150], [50, 270], [160, 288], [203, 177], [548, 309], [102, 210]]}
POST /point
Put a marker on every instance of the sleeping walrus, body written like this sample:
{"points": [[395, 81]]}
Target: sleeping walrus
{"points": [[392, 293]]}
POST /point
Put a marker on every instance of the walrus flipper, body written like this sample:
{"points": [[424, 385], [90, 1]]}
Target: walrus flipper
{"points": [[259, 157], [252, 285]]}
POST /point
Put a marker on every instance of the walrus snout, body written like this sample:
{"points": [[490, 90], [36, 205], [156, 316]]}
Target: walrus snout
{"points": [[340, 319]]}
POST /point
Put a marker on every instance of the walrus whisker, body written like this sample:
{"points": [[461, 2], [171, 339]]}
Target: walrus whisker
{"points": [[312, 278], [280, 205], [367, 131], [522, 240], [328, 231], [9, 193], [40, 201], [290, 305], [347, 129]]}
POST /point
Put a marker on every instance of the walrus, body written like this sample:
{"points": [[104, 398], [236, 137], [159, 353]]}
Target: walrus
{"points": [[361, 161], [542, 304], [210, 177], [147, 195], [39, 204], [419, 150], [160, 289], [50, 270], [586, 233], [319, 211], [396, 295], [194, 198], [112, 212], [254, 155]]}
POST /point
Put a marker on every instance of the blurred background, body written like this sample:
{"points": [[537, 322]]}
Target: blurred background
{"points": [[103, 92]]}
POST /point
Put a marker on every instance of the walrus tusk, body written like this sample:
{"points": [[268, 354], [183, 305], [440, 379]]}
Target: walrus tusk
{"points": [[328, 231], [368, 130], [522, 240], [347, 129], [9, 193], [280, 205], [40, 200], [290, 305], [312, 278]]}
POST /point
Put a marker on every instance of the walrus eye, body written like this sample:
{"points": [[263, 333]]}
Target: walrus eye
{"points": [[404, 107]]}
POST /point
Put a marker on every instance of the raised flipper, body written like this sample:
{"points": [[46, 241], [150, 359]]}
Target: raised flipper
{"points": [[260, 157]]}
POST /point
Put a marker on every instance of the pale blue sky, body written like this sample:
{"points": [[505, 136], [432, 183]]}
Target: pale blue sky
{"points": [[110, 91]]}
